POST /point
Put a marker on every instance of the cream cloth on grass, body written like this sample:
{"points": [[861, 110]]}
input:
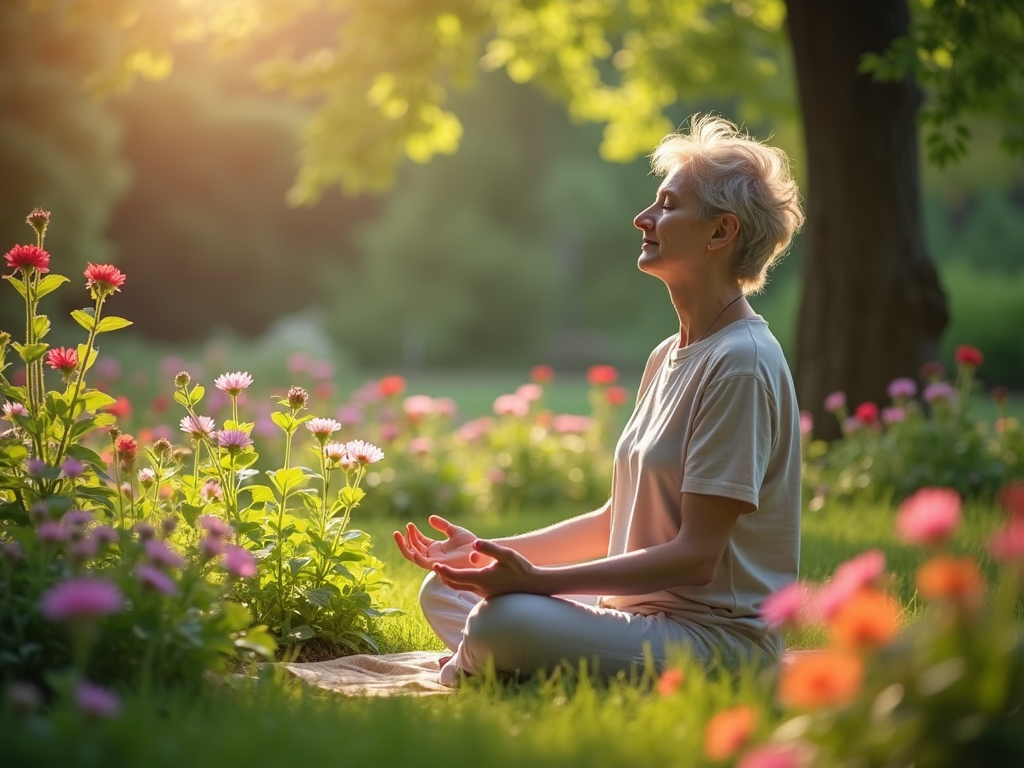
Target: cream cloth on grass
{"points": [[414, 673]]}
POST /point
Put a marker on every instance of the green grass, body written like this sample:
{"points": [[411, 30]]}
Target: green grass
{"points": [[561, 721]]}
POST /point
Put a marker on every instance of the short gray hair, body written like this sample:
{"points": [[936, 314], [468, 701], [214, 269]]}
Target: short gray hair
{"points": [[731, 172]]}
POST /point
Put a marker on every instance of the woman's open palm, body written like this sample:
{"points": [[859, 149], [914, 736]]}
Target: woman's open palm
{"points": [[455, 550]]}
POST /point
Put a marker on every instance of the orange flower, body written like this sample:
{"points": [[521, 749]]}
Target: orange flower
{"points": [[391, 385], [950, 578], [821, 679], [670, 681], [869, 618], [727, 731]]}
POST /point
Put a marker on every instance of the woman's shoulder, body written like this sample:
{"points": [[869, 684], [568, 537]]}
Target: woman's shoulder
{"points": [[749, 347]]}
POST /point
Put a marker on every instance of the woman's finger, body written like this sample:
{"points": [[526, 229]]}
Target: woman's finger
{"points": [[498, 552], [416, 538], [438, 523], [409, 553]]}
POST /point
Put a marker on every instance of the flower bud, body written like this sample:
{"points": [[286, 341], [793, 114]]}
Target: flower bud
{"points": [[182, 379], [297, 398], [39, 219]]}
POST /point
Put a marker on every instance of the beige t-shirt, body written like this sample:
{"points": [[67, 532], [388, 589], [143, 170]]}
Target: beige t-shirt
{"points": [[718, 417]]}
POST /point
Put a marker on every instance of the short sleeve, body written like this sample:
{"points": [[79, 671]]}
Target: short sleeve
{"points": [[731, 440]]}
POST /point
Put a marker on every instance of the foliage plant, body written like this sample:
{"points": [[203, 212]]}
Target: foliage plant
{"points": [[98, 578], [893, 451]]}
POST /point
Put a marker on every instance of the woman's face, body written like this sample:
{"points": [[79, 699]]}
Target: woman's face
{"points": [[675, 240]]}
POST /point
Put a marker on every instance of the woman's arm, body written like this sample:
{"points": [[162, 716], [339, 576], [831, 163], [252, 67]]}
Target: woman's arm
{"points": [[690, 559], [580, 538]]}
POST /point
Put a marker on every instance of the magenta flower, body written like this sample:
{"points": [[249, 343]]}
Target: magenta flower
{"points": [[72, 469], [322, 428], [233, 383], [77, 518], [161, 555], [773, 756], [238, 562], [939, 391], [363, 452], [851, 424], [1007, 545], [893, 415], [81, 598], [787, 605], [198, 426], [929, 516], [902, 389], [104, 534], [511, 405], [806, 424], [82, 550], [211, 491], [214, 526], [155, 579], [233, 440], [211, 547], [835, 402], [96, 701], [145, 531], [35, 467]]}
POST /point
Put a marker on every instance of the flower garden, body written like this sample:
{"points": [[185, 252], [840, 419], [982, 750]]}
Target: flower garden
{"points": [[151, 577]]}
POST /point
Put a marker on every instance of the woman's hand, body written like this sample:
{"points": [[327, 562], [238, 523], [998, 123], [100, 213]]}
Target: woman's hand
{"points": [[455, 550], [507, 571]]}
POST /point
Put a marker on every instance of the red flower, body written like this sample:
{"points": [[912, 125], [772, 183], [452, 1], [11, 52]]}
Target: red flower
{"points": [[391, 385], [542, 374], [602, 375], [103, 278], [120, 408], [1011, 498], [615, 396], [125, 446], [28, 257], [932, 371], [62, 359], [670, 681], [967, 355], [867, 413]]}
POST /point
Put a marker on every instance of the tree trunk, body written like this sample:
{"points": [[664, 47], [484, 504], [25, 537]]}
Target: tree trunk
{"points": [[872, 306]]}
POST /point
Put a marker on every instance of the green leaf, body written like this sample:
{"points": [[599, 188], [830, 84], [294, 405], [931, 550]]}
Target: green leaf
{"points": [[190, 512], [112, 324], [41, 325], [17, 394], [93, 353], [94, 400], [259, 493], [85, 318], [196, 394], [286, 480], [321, 597], [19, 285], [300, 633], [298, 563], [181, 399], [283, 420], [56, 405], [49, 284], [259, 640], [350, 496], [30, 352]]}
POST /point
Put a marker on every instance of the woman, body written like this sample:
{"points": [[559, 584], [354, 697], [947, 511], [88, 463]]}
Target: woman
{"points": [[703, 522]]}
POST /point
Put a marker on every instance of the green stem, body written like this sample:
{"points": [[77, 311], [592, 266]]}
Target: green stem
{"points": [[69, 420], [280, 562]]}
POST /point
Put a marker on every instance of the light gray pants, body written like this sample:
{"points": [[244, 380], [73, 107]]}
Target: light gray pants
{"points": [[526, 633]]}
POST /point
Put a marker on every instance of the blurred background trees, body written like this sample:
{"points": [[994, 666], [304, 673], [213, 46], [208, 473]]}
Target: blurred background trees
{"points": [[517, 247]]}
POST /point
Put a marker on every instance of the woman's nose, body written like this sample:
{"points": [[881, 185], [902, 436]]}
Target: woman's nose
{"points": [[643, 220]]}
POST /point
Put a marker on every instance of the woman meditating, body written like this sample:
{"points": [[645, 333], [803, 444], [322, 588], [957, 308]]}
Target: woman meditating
{"points": [[703, 522]]}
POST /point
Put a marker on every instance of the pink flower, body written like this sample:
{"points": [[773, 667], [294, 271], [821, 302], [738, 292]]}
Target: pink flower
{"points": [[210, 547], [13, 409], [389, 431], [145, 531], [511, 405], [51, 532], [103, 279], [322, 428], [363, 452], [1007, 545], [772, 756], [902, 389], [214, 526], [298, 362], [418, 407], [211, 491], [155, 579], [568, 423], [391, 385], [530, 392], [851, 424], [233, 440], [787, 605], [81, 598], [77, 518], [421, 445], [349, 415], [335, 451], [126, 447], [28, 258], [939, 391], [104, 534], [162, 556], [893, 415], [233, 383], [867, 413], [445, 406], [83, 550], [62, 359], [147, 476], [96, 701], [929, 516], [72, 469], [835, 402], [321, 369], [806, 423], [198, 426], [239, 563], [850, 577], [542, 374]]}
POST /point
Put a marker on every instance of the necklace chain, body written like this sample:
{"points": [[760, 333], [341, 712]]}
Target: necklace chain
{"points": [[715, 320]]}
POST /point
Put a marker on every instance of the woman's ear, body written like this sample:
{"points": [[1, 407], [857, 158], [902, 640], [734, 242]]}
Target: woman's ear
{"points": [[728, 229]]}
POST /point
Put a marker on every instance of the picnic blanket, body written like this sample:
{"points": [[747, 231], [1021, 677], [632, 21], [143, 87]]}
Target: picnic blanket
{"points": [[413, 673]]}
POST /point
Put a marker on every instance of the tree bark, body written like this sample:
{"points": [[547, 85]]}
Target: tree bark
{"points": [[872, 307]]}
